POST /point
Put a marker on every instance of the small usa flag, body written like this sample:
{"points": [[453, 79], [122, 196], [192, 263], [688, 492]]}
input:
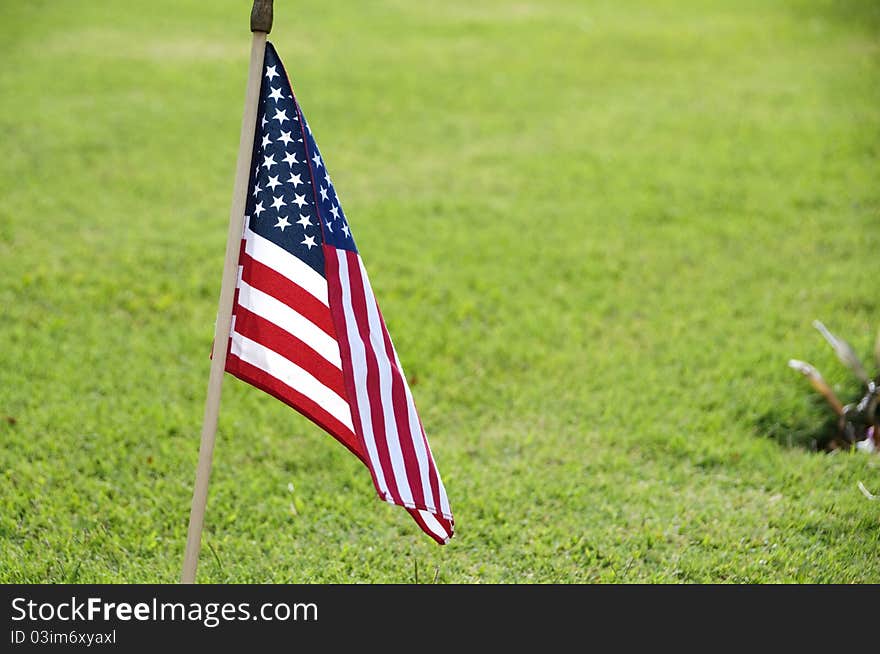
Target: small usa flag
{"points": [[306, 327]]}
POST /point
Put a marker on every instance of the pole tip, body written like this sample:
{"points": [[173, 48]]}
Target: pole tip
{"points": [[261, 16]]}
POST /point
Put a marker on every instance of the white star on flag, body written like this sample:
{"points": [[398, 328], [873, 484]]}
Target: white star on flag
{"points": [[309, 242], [290, 159], [282, 223]]}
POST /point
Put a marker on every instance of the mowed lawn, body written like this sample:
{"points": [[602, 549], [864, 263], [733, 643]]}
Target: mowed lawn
{"points": [[597, 232]]}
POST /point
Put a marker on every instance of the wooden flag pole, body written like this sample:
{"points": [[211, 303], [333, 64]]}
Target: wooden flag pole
{"points": [[261, 25]]}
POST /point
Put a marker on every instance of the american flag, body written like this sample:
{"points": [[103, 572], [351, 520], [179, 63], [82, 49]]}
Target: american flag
{"points": [[306, 327]]}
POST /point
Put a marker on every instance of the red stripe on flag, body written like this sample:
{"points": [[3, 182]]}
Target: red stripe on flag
{"points": [[373, 390], [433, 477], [445, 524], [401, 418], [282, 289], [331, 267], [269, 335]]}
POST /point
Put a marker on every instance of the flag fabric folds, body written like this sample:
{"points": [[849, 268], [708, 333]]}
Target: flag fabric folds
{"points": [[306, 326]]}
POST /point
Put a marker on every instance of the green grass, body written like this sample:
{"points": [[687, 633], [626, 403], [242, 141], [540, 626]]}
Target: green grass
{"points": [[597, 231]]}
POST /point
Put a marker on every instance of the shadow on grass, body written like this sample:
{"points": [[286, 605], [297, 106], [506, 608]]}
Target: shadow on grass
{"points": [[865, 13], [807, 432]]}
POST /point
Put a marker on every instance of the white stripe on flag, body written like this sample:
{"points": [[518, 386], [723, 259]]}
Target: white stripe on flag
{"points": [[422, 447], [284, 263], [434, 525], [278, 313], [383, 361], [444, 500], [359, 369], [292, 375], [415, 430]]}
